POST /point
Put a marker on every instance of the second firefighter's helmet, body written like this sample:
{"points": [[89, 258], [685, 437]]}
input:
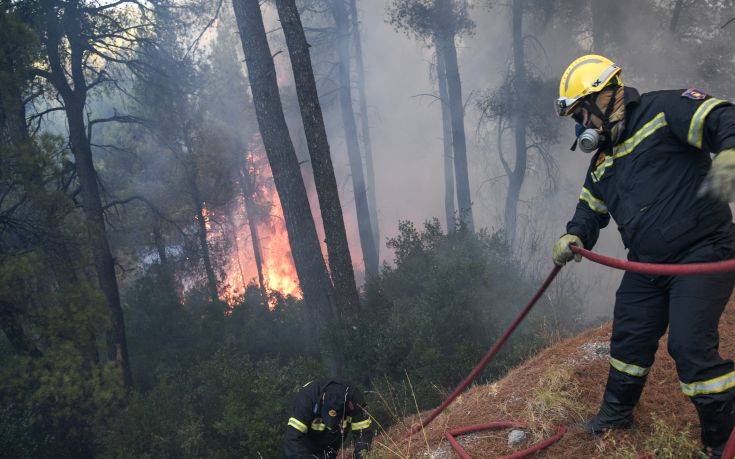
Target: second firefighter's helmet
{"points": [[586, 75]]}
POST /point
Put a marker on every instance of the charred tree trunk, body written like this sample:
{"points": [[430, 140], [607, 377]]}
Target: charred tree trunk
{"points": [[441, 77], [365, 125], [302, 235], [520, 122], [364, 224], [459, 142], [74, 98], [248, 192], [340, 261]]}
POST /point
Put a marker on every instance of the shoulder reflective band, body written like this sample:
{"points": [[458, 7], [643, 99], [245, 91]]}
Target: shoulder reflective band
{"points": [[696, 126], [318, 426], [362, 424], [598, 205], [629, 368], [710, 386], [298, 425], [627, 147]]}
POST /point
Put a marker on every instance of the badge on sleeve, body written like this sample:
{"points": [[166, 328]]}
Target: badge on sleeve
{"points": [[694, 93]]}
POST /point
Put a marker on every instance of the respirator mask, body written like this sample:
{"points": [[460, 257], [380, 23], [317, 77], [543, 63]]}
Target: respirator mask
{"points": [[591, 139], [588, 139]]}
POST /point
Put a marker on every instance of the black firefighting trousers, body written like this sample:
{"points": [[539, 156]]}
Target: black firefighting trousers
{"points": [[691, 307]]}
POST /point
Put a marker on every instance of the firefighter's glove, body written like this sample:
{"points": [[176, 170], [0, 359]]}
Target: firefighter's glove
{"points": [[562, 253], [720, 182]]}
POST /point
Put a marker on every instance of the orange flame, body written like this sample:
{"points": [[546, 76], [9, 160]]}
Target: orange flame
{"points": [[278, 266]]}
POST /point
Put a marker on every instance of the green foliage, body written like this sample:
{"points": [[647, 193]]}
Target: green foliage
{"points": [[437, 311], [426, 18], [54, 399], [228, 406], [214, 384]]}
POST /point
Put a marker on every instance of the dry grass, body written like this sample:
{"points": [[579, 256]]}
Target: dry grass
{"points": [[554, 400], [563, 384]]}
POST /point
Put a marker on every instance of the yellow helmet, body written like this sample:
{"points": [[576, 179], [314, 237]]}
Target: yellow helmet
{"points": [[586, 75]]}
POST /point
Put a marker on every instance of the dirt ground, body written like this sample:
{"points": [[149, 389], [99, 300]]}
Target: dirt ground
{"points": [[562, 385]]}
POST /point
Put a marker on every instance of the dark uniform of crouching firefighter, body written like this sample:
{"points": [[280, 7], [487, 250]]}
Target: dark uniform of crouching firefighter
{"points": [[323, 413], [652, 172]]}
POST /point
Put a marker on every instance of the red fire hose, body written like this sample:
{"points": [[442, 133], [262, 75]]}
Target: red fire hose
{"points": [[643, 268]]}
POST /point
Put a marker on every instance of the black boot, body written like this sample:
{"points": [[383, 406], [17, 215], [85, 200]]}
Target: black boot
{"points": [[716, 418], [621, 395]]}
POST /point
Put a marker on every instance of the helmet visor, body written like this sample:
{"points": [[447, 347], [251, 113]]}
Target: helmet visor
{"points": [[565, 106]]}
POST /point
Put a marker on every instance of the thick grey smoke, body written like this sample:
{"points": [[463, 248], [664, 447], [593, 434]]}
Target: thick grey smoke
{"points": [[406, 117]]}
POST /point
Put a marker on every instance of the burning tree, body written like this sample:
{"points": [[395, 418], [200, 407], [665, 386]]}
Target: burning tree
{"points": [[306, 251], [340, 261]]}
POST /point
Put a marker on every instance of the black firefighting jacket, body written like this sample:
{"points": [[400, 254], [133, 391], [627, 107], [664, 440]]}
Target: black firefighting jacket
{"points": [[307, 435], [649, 181]]}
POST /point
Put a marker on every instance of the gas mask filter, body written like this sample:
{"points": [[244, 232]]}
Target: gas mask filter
{"points": [[588, 140]]}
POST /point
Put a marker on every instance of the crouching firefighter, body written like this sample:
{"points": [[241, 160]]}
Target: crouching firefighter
{"points": [[651, 171], [324, 412]]}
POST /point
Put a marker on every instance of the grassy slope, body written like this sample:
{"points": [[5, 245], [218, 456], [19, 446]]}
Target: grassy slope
{"points": [[563, 384]]}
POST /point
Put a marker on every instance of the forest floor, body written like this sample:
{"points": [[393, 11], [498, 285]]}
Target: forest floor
{"points": [[562, 385]]}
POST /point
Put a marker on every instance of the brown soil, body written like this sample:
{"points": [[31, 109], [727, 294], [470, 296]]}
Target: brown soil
{"points": [[585, 372]]}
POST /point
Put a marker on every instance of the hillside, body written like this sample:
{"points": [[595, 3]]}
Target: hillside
{"points": [[561, 385]]}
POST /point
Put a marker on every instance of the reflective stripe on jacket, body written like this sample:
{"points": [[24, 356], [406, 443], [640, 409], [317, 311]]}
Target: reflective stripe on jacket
{"points": [[649, 182], [307, 435]]}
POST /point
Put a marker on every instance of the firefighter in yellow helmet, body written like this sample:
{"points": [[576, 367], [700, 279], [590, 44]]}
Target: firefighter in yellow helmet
{"points": [[650, 169]]}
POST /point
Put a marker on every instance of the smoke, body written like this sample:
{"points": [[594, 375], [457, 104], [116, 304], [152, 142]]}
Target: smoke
{"points": [[406, 125]]}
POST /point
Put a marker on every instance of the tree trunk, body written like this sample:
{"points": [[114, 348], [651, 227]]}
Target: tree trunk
{"points": [[675, 15], [94, 215], [167, 272], [598, 25], [340, 261], [367, 239], [160, 246], [248, 192], [302, 235], [15, 135], [459, 143], [441, 77], [520, 121], [74, 98], [203, 242], [365, 125]]}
